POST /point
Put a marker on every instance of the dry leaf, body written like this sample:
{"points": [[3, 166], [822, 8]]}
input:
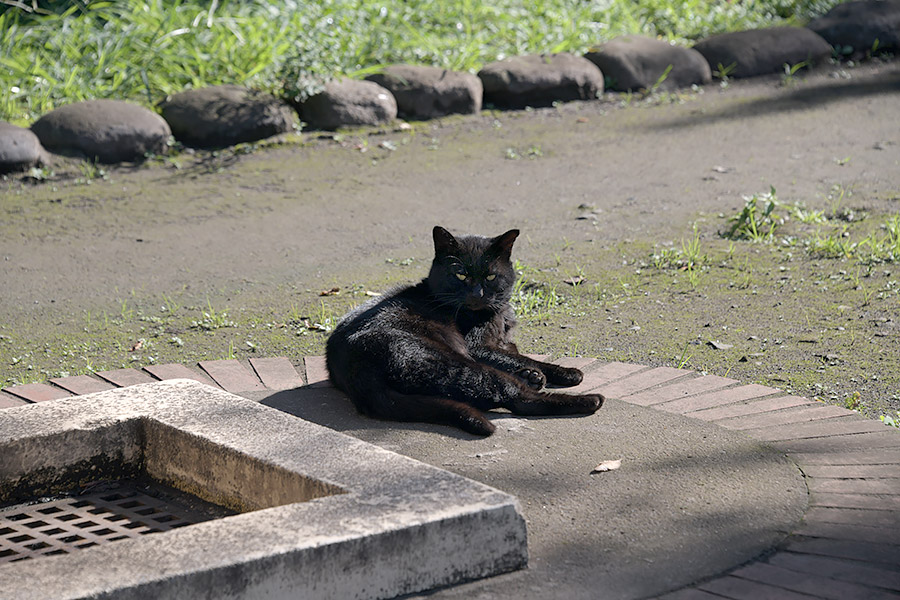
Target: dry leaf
{"points": [[332, 292], [573, 281], [720, 345], [371, 293], [607, 465], [137, 346]]}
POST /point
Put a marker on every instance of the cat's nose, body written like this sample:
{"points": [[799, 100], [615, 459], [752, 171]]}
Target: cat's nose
{"points": [[478, 291]]}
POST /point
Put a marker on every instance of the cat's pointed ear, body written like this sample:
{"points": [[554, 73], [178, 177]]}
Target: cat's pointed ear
{"points": [[502, 244], [444, 242]]}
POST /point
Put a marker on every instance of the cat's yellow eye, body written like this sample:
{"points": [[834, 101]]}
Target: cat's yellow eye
{"points": [[491, 277], [461, 276]]}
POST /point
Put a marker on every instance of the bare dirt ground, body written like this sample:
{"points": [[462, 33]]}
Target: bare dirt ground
{"points": [[200, 256]]}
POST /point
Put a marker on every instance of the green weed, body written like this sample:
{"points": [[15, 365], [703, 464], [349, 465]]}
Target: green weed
{"points": [[689, 258], [530, 299], [791, 70], [755, 222], [890, 420], [832, 246], [212, 319]]}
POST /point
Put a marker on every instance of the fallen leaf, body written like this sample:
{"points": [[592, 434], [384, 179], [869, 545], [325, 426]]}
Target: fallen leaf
{"points": [[137, 346], [719, 345], [573, 281], [332, 292], [607, 465], [371, 293]]}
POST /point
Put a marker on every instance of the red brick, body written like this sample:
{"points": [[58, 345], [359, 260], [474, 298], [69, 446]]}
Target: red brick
{"points": [[836, 568], [605, 374], [853, 517], [277, 373], [752, 408], [885, 456], [855, 501], [745, 589], [818, 585], [680, 389], [689, 594], [82, 384], [855, 486], [316, 371], [841, 443], [856, 533], [232, 376], [641, 381], [575, 362], [876, 554], [843, 426], [37, 392], [126, 377], [10, 401], [177, 371], [799, 414], [718, 398], [852, 471]]}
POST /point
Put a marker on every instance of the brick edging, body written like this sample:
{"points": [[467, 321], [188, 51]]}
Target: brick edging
{"points": [[848, 545]]}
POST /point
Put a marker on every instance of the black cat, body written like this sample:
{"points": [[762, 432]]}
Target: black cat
{"points": [[440, 351]]}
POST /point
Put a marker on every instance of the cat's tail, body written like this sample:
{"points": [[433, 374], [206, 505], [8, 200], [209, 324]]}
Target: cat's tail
{"points": [[432, 409]]}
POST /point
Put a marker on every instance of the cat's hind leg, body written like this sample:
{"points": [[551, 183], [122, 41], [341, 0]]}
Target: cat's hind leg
{"points": [[533, 373], [430, 409]]}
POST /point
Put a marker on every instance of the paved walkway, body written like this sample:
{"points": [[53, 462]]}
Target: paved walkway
{"points": [[848, 545]]}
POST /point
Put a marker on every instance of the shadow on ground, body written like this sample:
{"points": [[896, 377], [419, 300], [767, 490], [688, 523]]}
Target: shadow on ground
{"points": [[793, 99], [690, 501]]}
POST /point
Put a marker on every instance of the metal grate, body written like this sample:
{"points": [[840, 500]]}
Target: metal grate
{"points": [[122, 510]]}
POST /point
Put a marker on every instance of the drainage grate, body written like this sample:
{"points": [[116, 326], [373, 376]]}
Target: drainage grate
{"points": [[122, 510]]}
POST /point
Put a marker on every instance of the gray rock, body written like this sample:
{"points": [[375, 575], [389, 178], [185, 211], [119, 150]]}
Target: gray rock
{"points": [[634, 62], [763, 51], [429, 92], [20, 149], [349, 102], [856, 25], [540, 80], [225, 115], [108, 131]]}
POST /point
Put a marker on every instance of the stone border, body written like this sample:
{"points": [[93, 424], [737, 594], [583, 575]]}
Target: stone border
{"points": [[851, 463], [418, 526], [224, 115]]}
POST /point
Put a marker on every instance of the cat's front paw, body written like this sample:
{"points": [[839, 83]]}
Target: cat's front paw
{"points": [[563, 376], [588, 403], [531, 377]]}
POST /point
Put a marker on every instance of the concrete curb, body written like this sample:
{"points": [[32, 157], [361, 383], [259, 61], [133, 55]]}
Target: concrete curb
{"points": [[848, 544], [311, 502]]}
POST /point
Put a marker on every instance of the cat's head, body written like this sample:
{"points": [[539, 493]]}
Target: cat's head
{"points": [[472, 271]]}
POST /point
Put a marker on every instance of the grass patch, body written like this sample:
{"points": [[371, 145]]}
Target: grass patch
{"points": [[143, 50]]}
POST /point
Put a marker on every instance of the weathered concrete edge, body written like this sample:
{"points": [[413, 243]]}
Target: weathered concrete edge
{"points": [[418, 526]]}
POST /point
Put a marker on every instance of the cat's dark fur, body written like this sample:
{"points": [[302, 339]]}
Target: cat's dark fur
{"points": [[441, 351]]}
